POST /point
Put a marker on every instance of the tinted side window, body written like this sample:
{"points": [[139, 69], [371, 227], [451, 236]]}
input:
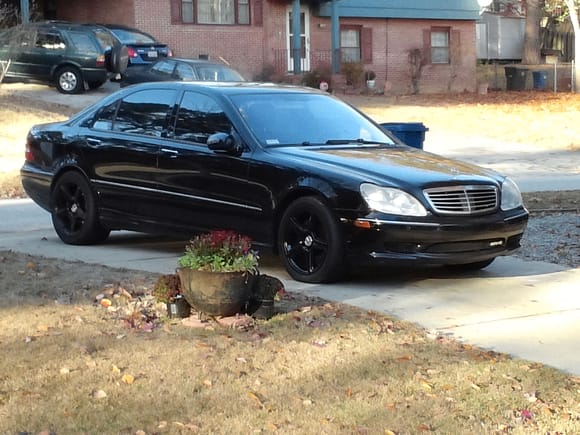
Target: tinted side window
{"points": [[105, 117], [164, 67], [49, 41], [184, 72], [83, 43], [200, 116], [145, 112]]}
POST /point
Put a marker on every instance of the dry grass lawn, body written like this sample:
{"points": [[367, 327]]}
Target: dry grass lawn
{"points": [[70, 365]]}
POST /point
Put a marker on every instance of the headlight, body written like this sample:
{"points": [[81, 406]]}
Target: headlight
{"points": [[391, 201], [510, 195]]}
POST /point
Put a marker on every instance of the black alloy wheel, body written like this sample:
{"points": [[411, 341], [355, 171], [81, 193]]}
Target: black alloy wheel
{"points": [[74, 211], [310, 243]]}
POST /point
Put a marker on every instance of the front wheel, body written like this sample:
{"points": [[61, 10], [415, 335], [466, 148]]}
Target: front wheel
{"points": [[310, 242], [74, 211], [69, 80]]}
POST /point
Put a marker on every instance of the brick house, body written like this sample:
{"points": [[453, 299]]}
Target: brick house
{"points": [[411, 45]]}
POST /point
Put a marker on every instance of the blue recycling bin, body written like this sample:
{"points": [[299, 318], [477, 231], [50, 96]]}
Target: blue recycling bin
{"points": [[411, 133], [540, 79]]}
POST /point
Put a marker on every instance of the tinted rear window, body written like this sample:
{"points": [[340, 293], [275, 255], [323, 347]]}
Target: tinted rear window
{"points": [[133, 37], [83, 43]]}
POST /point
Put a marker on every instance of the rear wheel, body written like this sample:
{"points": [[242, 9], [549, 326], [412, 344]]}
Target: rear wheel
{"points": [[310, 242], [74, 211], [69, 80]]}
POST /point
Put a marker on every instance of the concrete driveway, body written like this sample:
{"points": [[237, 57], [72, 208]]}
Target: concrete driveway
{"points": [[527, 309]]}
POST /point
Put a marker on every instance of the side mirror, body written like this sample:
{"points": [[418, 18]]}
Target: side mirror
{"points": [[223, 142]]}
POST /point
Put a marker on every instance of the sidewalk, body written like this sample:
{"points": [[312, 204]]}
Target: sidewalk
{"points": [[533, 170]]}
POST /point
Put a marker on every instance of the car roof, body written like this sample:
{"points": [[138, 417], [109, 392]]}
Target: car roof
{"points": [[231, 88], [194, 61]]}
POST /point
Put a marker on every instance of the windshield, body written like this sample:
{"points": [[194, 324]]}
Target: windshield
{"points": [[306, 119]]}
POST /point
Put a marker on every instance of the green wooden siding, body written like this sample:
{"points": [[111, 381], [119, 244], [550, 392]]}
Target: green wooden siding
{"points": [[410, 9]]}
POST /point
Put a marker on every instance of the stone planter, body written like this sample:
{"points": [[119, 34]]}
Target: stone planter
{"points": [[215, 293]]}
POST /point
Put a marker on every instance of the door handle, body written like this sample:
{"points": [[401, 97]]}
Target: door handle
{"points": [[93, 141], [172, 153]]}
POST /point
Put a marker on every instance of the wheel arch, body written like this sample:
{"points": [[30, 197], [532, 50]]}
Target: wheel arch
{"points": [[292, 195], [68, 64], [65, 170]]}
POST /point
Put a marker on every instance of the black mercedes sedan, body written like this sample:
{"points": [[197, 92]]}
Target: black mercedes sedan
{"points": [[297, 170]]}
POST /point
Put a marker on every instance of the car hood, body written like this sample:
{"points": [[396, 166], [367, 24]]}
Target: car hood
{"points": [[399, 165]]}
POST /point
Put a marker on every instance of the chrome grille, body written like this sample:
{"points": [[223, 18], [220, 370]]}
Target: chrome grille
{"points": [[465, 200]]}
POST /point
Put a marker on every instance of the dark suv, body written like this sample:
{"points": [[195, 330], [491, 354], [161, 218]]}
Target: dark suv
{"points": [[64, 54]]}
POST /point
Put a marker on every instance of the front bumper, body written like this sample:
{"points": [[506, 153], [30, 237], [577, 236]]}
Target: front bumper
{"points": [[451, 240]]}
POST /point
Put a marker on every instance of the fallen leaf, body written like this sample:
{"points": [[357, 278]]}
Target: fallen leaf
{"points": [[106, 302], [255, 398], [99, 394], [319, 343], [128, 379]]}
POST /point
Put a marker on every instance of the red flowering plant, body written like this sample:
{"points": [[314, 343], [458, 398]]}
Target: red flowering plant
{"points": [[220, 251]]}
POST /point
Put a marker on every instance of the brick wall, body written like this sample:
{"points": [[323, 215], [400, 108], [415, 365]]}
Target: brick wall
{"points": [[251, 48], [101, 11], [405, 35]]}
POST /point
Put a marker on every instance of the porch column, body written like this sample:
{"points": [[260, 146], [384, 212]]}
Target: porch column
{"points": [[296, 52], [24, 11], [335, 37]]}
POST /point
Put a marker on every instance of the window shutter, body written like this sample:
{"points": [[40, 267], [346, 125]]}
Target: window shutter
{"points": [[175, 6], [455, 47], [258, 14], [366, 44], [426, 46]]}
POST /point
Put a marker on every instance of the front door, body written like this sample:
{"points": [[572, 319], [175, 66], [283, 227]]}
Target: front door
{"points": [[304, 39]]}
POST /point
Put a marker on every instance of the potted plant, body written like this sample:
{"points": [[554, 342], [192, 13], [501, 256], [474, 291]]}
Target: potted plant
{"points": [[167, 290], [265, 291], [217, 272], [370, 78]]}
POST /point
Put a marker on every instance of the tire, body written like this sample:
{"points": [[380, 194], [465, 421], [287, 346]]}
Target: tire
{"points": [[310, 243], [95, 85], [74, 211], [118, 59], [69, 80], [469, 267]]}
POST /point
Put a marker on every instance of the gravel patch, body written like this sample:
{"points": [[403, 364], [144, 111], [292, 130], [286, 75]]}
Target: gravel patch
{"points": [[553, 238]]}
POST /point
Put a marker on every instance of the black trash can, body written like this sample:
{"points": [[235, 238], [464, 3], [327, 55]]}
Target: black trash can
{"points": [[540, 79], [515, 78], [411, 133]]}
